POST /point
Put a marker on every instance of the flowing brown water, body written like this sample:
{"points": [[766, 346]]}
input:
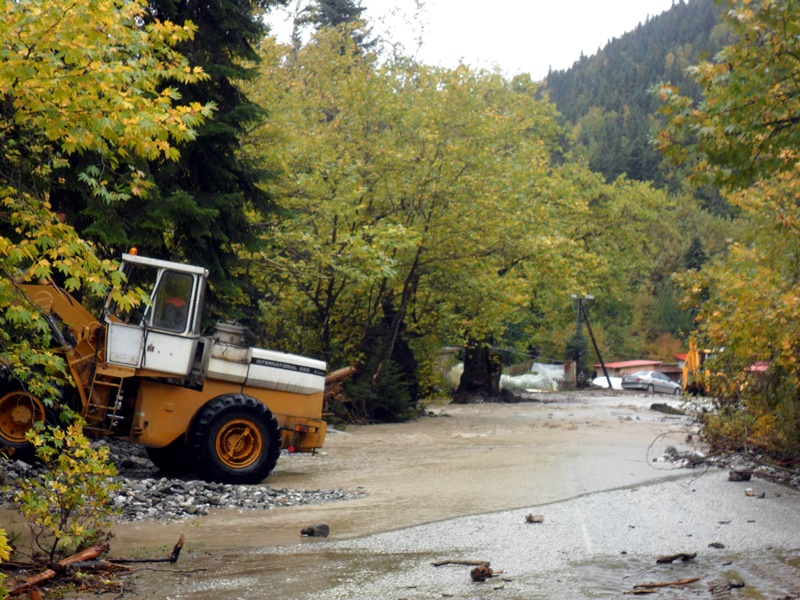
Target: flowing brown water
{"points": [[469, 460]]}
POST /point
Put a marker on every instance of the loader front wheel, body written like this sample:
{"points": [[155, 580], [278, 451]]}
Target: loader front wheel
{"points": [[19, 412], [235, 439]]}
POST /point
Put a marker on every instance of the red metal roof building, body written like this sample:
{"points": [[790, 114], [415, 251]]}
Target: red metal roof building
{"points": [[617, 369]]}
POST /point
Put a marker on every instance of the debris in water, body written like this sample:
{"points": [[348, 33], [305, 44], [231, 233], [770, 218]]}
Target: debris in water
{"points": [[320, 530], [666, 409], [532, 518], [482, 573], [720, 588], [649, 588], [482, 563], [739, 474], [684, 556]]}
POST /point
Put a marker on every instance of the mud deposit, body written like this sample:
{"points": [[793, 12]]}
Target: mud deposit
{"points": [[458, 485], [468, 459]]}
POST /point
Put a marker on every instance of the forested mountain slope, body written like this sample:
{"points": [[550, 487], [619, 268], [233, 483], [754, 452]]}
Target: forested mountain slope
{"points": [[606, 100]]}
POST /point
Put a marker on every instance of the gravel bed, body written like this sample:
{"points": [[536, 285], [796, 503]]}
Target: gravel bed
{"points": [[145, 494]]}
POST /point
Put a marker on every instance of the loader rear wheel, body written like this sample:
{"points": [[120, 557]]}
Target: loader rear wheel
{"points": [[235, 439], [19, 412]]}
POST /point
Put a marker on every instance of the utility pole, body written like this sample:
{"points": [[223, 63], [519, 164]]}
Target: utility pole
{"points": [[582, 311]]}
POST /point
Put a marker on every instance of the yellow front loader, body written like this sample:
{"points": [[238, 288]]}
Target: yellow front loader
{"points": [[210, 404]]}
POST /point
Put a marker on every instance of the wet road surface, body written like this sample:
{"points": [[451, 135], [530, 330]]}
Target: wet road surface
{"points": [[459, 487]]}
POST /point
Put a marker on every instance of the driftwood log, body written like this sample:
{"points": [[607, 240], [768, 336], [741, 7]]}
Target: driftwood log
{"points": [[31, 582], [85, 560], [471, 563], [684, 556], [339, 374], [649, 586], [173, 557]]}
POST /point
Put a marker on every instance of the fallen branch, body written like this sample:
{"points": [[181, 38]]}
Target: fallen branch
{"points": [[339, 374], [471, 563], [97, 565], [666, 583], [673, 557], [31, 582], [173, 558]]}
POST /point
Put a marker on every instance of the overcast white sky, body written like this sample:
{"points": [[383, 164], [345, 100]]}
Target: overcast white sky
{"points": [[517, 35]]}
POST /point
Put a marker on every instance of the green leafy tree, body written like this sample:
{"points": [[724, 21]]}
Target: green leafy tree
{"points": [[743, 135], [197, 206], [417, 196], [78, 79], [123, 110], [745, 127]]}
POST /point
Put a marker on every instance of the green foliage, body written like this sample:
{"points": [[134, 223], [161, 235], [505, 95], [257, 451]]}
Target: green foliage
{"points": [[332, 13], [577, 350], [5, 552], [70, 505], [67, 91], [743, 136], [424, 189], [672, 318], [745, 126], [48, 52], [196, 207], [345, 14], [695, 256], [388, 400], [758, 411]]}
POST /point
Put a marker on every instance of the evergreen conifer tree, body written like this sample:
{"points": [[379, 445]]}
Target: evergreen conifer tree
{"points": [[336, 13], [332, 13], [197, 209], [695, 256]]}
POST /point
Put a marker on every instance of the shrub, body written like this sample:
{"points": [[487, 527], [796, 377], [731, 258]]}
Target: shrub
{"points": [[5, 551], [69, 506]]}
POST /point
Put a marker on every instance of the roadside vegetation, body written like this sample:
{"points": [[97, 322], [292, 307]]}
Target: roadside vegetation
{"points": [[742, 138], [356, 205]]}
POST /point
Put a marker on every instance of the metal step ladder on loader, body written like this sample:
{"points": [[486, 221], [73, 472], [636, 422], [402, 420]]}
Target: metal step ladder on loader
{"points": [[103, 410], [202, 403]]}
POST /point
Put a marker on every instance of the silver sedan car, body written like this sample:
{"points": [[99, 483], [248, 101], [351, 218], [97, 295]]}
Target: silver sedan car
{"points": [[651, 381]]}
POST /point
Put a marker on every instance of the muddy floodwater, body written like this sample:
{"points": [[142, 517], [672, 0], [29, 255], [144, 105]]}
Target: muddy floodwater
{"points": [[458, 485], [469, 459]]}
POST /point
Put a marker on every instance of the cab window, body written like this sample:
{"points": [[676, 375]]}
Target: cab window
{"points": [[172, 300]]}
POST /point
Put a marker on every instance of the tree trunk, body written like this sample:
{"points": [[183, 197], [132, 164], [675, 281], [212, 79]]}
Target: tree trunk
{"points": [[481, 377]]}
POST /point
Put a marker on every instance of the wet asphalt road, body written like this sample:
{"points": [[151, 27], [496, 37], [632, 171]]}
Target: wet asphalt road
{"points": [[598, 545], [607, 518]]}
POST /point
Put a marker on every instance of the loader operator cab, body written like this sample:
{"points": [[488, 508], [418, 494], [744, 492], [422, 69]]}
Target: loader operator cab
{"points": [[164, 335], [171, 301]]}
